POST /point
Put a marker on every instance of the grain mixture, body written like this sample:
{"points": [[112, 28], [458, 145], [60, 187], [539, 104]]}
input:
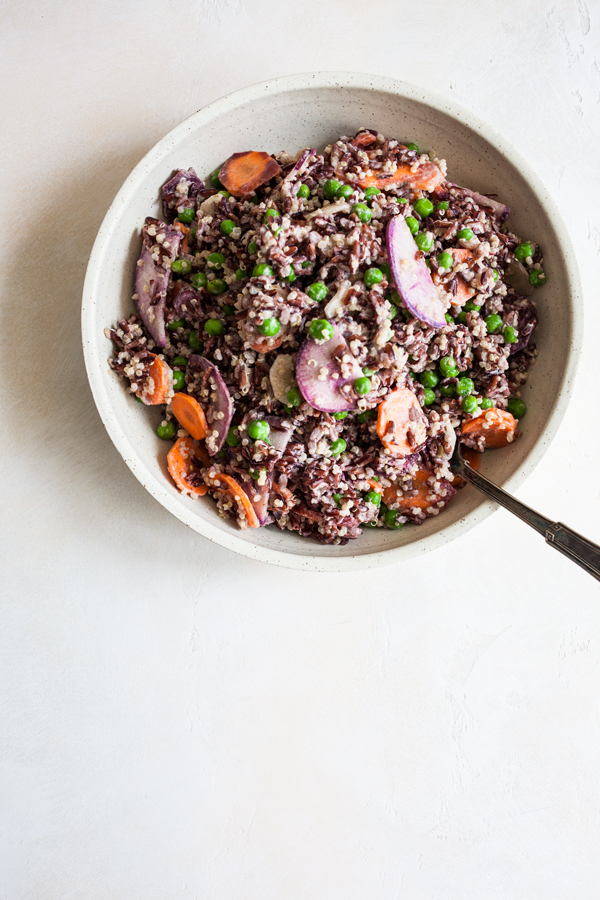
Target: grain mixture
{"points": [[306, 381]]}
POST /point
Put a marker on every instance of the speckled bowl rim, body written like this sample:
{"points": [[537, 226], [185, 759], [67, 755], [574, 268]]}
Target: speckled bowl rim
{"points": [[95, 363]]}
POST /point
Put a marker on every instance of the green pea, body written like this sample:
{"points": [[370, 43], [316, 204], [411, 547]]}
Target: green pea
{"points": [[199, 280], [362, 385], [465, 234], [423, 207], [214, 327], [167, 432], [495, 274], [516, 407], [291, 277], [372, 276], [186, 216], [216, 286], [338, 447], [365, 416], [523, 252], [401, 200], [424, 242], [428, 397], [270, 214], [493, 323], [447, 390], [138, 398], [330, 188], [303, 191], [464, 387], [393, 312], [448, 367], [471, 307], [344, 192], [232, 439], [178, 323], [429, 379], [394, 297], [449, 319], [413, 224], [225, 194], [470, 405], [338, 499], [262, 269], [294, 397], [362, 212], [412, 147], [373, 497], [181, 266], [178, 380], [214, 177], [367, 371], [258, 430], [339, 415], [307, 264], [537, 278], [510, 335], [252, 248], [371, 192], [226, 227], [239, 274], [317, 291], [486, 403], [195, 342], [180, 361], [269, 327], [391, 519], [215, 260], [385, 268], [443, 205], [446, 260], [228, 310], [320, 330], [255, 473], [462, 317]]}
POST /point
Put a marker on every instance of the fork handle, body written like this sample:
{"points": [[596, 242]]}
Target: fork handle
{"points": [[573, 545]]}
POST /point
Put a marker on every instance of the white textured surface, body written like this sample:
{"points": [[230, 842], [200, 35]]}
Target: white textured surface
{"points": [[179, 722]]}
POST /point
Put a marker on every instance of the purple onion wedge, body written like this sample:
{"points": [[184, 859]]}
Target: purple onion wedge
{"points": [[180, 192], [258, 494], [281, 432], [324, 369], [500, 210], [152, 276], [213, 395], [411, 276]]}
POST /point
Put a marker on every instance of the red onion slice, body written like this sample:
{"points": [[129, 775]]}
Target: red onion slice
{"points": [[323, 369], [217, 404], [411, 276]]}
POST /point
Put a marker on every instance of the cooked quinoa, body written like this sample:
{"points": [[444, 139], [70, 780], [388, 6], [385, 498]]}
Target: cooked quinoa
{"points": [[230, 289]]}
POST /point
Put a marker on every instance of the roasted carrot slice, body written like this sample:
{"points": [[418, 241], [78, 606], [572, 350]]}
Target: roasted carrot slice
{"points": [[190, 415], [464, 291], [374, 485], [180, 466], [265, 345], [185, 232], [247, 515], [497, 428], [421, 500], [425, 178], [158, 383], [244, 172], [401, 423]]}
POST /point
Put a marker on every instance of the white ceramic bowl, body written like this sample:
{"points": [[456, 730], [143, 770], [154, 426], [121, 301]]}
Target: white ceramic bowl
{"points": [[311, 110]]}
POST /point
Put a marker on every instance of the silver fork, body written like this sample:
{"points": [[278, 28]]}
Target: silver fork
{"points": [[583, 552]]}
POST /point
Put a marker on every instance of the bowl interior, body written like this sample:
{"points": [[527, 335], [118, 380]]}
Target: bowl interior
{"points": [[290, 114]]}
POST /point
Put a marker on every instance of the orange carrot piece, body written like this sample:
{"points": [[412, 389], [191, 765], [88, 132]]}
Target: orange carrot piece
{"points": [[265, 345], [242, 173], [464, 291], [158, 383], [190, 415], [240, 496], [421, 500], [426, 178], [202, 454], [497, 427], [185, 232], [180, 465], [398, 415]]}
